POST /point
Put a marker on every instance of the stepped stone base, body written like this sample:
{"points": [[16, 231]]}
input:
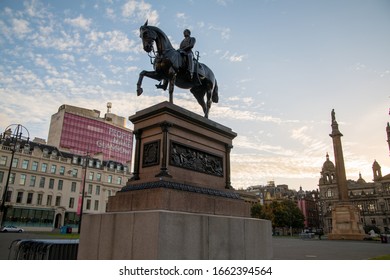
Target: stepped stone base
{"points": [[346, 224], [163, 195]]}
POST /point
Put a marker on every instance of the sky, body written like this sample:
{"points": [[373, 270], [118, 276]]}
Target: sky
{"points": [[281, 67]]}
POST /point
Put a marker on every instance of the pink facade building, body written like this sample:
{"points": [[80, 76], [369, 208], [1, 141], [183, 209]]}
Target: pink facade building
{"points": [[81, 131]]}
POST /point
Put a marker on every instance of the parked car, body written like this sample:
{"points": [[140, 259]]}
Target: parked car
{"points": [[11, 229]]}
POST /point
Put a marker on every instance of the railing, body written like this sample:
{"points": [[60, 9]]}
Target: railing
{"points": [[43, 249]]}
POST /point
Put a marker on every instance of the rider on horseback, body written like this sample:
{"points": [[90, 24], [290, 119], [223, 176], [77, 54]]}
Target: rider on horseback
{"points": [[186, 47]]}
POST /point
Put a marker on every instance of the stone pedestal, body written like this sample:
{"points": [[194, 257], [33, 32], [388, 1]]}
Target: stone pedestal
{"points": [[179, 204], [346, 224], [174, 144], [167, 235]]}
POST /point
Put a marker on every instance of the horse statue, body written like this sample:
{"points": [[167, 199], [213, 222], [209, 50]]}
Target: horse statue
{"points": [[170, 67]]}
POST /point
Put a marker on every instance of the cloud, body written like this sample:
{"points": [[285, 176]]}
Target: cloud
{"points": [[103, 42], [43, 62], [181, 16], [140, 12], [62, 42], [233, 57], [223, 31], [20, 27], [34, 9], [66, 57], [79, 22], [311, 145]]}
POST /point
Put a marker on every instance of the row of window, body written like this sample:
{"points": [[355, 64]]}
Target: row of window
{"points": [[60, 183], [34, 165], [53, 170], [49, 200], [33, 181]]}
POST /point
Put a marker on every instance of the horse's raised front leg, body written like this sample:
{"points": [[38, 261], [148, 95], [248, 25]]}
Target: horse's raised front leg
{"points": [[139, 83], [150, 74]]}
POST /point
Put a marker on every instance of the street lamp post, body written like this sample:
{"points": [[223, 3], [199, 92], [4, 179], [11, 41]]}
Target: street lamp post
{"points": [[12, 134], [83, 191]]}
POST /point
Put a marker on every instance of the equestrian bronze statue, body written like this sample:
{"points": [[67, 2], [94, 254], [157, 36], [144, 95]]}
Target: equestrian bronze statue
{"points": [[171, 67]]}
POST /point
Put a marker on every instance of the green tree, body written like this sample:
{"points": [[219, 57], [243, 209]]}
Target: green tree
{"points": [[261, 212], [282, 214]]}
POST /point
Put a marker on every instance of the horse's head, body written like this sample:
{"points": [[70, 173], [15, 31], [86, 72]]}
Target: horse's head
{"points": [[148, 36]]}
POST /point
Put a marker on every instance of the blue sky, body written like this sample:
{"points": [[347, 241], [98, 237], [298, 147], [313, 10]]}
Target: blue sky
{"points": [[281, 66]]}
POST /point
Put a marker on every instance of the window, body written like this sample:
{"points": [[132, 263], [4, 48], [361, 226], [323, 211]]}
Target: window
{"points": [[90, 187], [98, 177], [62, 170], [60, 184], [371, 207], [44, 167], [26, 149], [74, 172], [1, 176], [329, 193], [12, 178], [73, 187], [119, 180], [3, 160], [109, 179], [71, 202], [22, 179], [25, 164], [32, 180], [29, 198], [9, 195], [15, 162], [51, 183], [39, 199], [42, 182], [90, 176], [49, 199], [58, 200], [53, 169], [19, 197], [34, 166], [97, 190], [96, 205], [88, 207]]}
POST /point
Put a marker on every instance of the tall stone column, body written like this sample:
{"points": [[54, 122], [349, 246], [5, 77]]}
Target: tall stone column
{"points": [[339, 159], [346, 223]]}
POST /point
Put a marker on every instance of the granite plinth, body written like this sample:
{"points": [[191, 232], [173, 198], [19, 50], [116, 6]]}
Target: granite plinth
{"points": [[169, 235]]}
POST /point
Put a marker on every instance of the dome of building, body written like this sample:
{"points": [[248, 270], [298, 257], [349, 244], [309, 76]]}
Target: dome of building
{"points": [[361, 180], [328, 165]]}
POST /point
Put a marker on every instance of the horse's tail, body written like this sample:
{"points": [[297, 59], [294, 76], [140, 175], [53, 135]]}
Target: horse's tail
{"points": [[215, 96]]}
